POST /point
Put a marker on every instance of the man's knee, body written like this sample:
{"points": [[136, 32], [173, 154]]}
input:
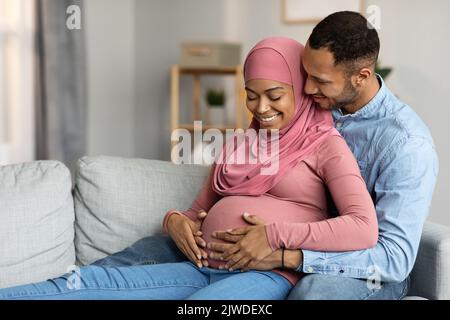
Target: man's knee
{"points": [[326, 287]]}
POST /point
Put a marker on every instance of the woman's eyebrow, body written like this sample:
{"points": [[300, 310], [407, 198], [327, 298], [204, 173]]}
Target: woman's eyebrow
{"points": [[268, 90], [273, 89]]}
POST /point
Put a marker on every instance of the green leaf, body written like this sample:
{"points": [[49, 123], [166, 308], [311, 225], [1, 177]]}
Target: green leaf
{"points": [[215, 97], [384, 72]]}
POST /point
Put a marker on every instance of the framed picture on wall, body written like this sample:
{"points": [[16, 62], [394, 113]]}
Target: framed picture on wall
{"points": [[312, 11]]}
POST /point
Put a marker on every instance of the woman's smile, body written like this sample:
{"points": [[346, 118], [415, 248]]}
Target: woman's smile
{"points": [[269, 119]]}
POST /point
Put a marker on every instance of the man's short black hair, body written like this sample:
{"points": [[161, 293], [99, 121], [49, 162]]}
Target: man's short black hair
{"points": [[349, 37]]}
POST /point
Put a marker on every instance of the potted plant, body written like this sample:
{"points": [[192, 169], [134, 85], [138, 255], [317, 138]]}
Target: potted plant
{"points": [[383, 72], [215, 99]]}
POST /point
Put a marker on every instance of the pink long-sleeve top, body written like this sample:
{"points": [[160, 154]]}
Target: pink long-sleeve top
{"points": [[296, 209]]}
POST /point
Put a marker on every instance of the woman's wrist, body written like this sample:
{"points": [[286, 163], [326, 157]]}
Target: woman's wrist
{"points": [[167, 219]]}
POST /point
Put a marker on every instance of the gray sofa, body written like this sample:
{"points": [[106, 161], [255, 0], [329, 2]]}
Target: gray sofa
{"points": [[47, 225]]}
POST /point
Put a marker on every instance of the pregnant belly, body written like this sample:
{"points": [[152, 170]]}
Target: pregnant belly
{"points": [[227, 214]]}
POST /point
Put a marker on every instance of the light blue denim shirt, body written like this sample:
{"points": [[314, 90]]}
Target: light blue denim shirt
{"points": [[398, 161]]}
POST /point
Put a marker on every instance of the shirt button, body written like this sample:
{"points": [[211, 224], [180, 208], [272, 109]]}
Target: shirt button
{"points": [[310, 269], [339, 125]]}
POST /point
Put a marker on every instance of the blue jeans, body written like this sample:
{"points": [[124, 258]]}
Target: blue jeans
{"points": [[110, 278], [168, 281], [326, 287]]}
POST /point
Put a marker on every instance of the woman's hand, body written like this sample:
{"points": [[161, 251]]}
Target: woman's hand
{"points": [[250, 246], [187, 236]]}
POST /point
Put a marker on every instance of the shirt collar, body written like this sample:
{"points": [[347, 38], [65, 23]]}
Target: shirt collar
{"points": [[369, 108]]}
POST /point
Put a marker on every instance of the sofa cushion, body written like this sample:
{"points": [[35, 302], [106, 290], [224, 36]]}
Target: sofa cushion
{"points": [[36, 222], [119, 201]]}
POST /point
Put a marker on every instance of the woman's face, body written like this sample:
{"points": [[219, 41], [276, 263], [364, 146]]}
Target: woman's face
{"points": [[270, 102]]}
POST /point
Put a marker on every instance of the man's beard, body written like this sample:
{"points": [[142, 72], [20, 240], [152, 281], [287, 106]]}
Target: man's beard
{"points": [[348, 96]]}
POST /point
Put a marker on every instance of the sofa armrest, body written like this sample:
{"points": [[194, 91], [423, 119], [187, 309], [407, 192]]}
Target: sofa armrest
{"points": [[430, 277]]}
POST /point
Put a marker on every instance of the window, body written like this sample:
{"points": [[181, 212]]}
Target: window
{"points": [[16, 81]]}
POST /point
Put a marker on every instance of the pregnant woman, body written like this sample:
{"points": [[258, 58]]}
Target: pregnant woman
{"points": [[313, 163]]}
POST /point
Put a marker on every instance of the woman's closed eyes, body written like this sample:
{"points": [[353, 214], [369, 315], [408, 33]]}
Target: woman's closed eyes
{"points": [[253, 98]]}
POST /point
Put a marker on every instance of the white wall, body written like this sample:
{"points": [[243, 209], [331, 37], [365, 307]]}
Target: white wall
{"points": [[111, 76], [415, 40], [131, 46], [161, 26]]}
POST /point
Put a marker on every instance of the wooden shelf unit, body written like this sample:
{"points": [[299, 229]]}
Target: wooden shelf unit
{"points": [[197, 73]]}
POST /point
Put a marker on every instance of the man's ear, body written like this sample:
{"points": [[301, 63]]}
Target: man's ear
{"points": [[362, 77]]}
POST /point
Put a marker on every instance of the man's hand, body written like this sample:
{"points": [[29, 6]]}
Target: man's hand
{"points": [[292, 260], [187, 236], [272, 261], [250, 244]]}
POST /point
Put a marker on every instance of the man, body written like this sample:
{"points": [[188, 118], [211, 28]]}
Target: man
{"points": [[394, 150], [396, 155]]}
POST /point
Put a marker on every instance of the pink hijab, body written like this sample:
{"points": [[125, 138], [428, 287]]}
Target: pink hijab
{"points": [[278, 59]]}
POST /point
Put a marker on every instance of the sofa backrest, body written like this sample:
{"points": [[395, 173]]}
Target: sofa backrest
{"points": [[36, 222], [119, 201]]}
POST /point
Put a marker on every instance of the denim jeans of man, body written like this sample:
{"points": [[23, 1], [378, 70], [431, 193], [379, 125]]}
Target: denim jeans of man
{"points": [[161, 249]]}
